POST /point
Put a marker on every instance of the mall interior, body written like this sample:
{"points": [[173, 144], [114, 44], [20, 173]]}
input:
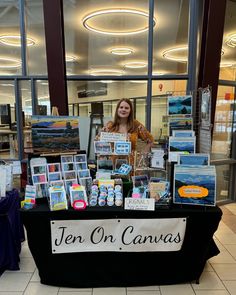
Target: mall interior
{"points": [[75, 54]]}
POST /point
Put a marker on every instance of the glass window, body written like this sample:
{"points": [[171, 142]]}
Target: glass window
{"points": [[160, 90], [222, 182], [170, 40], [221, 143], [8, 139], [35, 37], [228, 58], [43, 100], [106, 37], [10, 42]]}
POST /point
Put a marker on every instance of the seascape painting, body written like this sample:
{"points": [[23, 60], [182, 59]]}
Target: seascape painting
{"points": [[180, 105], [177, 123], [202, 185], [55, 133], [194, 159]]}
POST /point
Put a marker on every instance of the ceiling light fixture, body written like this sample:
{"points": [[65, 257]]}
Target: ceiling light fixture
{"points": [[226, 65], [170, 54], [135, 65], [138, 81], [116, 11], [7, 85], [231, 41], [121, 50], [105, 72], [15, 40], [70, 58], [8, 62], [106, 81]]}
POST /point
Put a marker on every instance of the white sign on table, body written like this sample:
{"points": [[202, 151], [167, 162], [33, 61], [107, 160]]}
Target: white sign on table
{"points": [[117, 235], [112, 136], [140, 204]]}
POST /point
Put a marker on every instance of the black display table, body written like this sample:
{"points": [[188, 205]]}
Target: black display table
{"points": [[110, 269], [11, 232]]}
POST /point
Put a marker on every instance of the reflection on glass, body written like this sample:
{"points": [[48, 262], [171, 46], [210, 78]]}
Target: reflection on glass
{"points": [[170, 48], [160, 89], [106, 38], [222, 182], [36, 53], [222, 133], [43, 107], [228, 59], [10, 46]]}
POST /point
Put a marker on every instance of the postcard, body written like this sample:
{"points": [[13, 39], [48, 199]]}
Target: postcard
{"points": [[124, 169], [38, 169], [180, 123], [67, 166], [159, 190], [102, 147], [122, 147], [81, 166], [39, 178], [69, 175], [83, 173], [67, 159], [55, 133], [78, 193], [179, 105], [157, 159], [194, 159], [80, 158], [54, 176], [104, 165], [195, 185], [87, 182], [57, 183], [180, 145], [69, 183], [183, 133], [54, 167]]}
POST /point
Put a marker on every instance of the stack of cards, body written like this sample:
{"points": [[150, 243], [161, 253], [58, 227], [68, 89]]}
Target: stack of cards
{"points": [[57, 198]]}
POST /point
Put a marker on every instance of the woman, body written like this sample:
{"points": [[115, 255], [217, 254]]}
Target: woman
{"points": [[124, 122]]}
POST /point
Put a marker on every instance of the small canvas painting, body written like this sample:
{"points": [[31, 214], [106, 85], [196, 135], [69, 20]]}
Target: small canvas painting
{"points": [[180, 105], [55, 133]]}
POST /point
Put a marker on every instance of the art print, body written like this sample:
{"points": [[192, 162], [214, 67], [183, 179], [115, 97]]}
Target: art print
{"points": [[83, 173], [67, 159], [81, 166], [68, 166], [69, 175], [194, 159], [69, 183], [179, 105], [87, 183], [119, 162], [178, 145], [54, 167], [104, 165], [80, 158], [183, 133], [180, 123], [102, 147], [140, 180], [54, 176], [38, 169], [55, 133], [39, 178], [57, 183], [78, 194]]}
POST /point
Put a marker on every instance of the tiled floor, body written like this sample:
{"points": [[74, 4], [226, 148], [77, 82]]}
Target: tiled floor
{"points": [[218, 278]]}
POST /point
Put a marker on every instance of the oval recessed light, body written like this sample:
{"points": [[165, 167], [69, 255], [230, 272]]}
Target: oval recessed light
{"points": [[8, 62], [15, 40], [71, 58], [171, 54], [231, 40], [135, 64], [116, 11], [121, 50], [105, 72]]}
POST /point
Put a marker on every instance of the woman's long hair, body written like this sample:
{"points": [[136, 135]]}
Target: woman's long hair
{"points": [[130, 119]]}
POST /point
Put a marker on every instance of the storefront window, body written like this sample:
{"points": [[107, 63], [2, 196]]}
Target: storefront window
{"points": [[222, 133], [222, 182], [10, 43], [106, 37], [35, 37], [160, 90], [43, 100], [8, 140], [228, 57], [170, 49]]}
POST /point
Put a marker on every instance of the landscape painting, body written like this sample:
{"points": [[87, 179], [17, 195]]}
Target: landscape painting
{"points": [[55, 133], [180, 105], [194, 159], [180, 123], [200, 189]]}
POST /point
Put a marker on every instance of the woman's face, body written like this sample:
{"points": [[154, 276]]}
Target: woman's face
{"points": [[123, 110]]}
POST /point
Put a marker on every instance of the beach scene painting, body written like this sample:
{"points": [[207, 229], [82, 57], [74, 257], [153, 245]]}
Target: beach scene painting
{"points": [[195, 189], [180, 105], [55, 133]]}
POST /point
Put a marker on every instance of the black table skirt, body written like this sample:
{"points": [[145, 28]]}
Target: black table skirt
{"points": [[116, 269]]}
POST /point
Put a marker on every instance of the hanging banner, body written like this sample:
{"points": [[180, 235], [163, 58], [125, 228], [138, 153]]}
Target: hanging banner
{"points": [[119, 235]]}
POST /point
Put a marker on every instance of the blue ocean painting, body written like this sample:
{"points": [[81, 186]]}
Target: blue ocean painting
{"points": [[193, 160], [182, 146], [203, 180], [180, 105]]}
